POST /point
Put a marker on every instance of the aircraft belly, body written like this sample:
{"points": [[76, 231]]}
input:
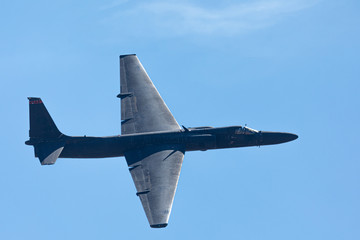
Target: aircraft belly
{"points": [[200, 142], [93, 148]]}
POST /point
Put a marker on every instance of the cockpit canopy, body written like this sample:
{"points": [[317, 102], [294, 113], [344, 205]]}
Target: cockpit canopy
{"points": [[245, 130]]}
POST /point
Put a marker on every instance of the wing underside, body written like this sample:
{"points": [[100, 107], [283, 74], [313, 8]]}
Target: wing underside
{"points": [[142, 108], [155, 169], [155, 172]]}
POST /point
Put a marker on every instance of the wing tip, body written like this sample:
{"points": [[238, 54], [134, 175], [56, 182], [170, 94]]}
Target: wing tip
{"points": [[126, 55], [161, 225]]}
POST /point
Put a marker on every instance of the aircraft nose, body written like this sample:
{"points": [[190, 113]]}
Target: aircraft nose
{"points": [[268, 138]]}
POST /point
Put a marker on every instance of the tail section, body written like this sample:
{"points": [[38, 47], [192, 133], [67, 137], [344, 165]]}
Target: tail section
{"points": [[41, 123], [48, 152], [44, 135]]}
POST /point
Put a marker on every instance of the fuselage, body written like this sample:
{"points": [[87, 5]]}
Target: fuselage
{"points": [[187, 139]]}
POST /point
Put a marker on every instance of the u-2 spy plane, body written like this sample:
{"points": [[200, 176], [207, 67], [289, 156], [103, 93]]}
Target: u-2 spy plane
{"points": [[151, 140]]}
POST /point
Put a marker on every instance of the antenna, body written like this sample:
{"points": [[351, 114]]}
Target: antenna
{"points": [[185, 129]]}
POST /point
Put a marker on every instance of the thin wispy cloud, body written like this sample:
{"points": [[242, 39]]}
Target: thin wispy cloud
{"points": [[181, 18], [113, 4]]}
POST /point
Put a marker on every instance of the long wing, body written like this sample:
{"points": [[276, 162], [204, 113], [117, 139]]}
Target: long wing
{"points": [[156, 171], [142, 108]]}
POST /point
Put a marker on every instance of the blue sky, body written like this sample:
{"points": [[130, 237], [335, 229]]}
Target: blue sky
{"points": [[280, 65]]}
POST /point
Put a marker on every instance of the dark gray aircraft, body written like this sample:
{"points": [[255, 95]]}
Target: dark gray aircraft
{"points": [[151, 140]]}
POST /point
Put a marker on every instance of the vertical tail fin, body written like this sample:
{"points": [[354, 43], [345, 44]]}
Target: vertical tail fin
{"points": [[44, 135], [41, 123]]}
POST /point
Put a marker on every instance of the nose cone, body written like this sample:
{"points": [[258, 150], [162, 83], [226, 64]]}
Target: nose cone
{"points": [[268, 138]]}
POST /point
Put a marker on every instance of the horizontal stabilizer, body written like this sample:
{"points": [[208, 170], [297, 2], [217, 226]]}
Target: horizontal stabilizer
{"points": [[48, 152]]}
